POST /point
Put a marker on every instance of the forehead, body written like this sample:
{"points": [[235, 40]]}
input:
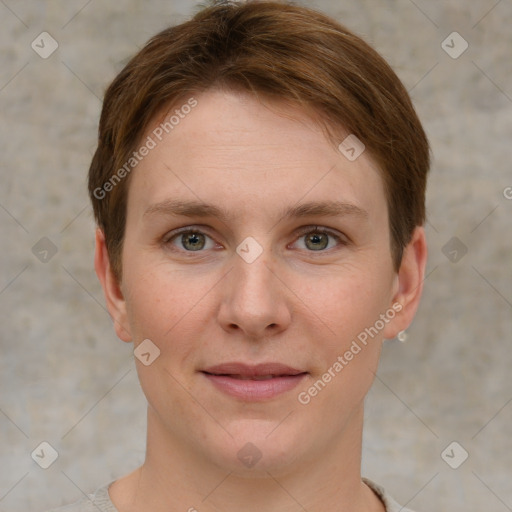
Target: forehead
{"points": [[231, 149]]}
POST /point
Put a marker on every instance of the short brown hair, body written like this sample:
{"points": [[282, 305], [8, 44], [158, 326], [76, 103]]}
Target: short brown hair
{"points": [[279, 51]]}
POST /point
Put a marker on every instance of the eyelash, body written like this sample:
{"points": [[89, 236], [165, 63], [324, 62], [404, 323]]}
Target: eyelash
{"points": [[302, 232]]}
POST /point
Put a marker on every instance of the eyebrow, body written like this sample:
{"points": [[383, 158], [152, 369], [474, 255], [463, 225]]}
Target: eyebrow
{"points": [[174, 207]]}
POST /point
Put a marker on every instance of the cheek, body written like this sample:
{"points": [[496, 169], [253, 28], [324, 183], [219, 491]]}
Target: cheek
{"points": [[351, 306], [158, 297], [172, 308], [350, 350], [345, 303], [164, 308], [159, 303]]}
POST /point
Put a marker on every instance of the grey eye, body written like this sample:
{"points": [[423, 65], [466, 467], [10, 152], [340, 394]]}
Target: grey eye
{"points": [[317, 241], [193, 241]]}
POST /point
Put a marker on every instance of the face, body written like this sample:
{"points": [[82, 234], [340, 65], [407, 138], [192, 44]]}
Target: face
{"points": [[253, 248]]}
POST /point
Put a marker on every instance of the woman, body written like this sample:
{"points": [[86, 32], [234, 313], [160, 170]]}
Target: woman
{"points": [[259, 190]]}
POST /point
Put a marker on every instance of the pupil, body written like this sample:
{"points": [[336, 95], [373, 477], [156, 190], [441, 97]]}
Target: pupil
{"points": [[315, 239], [192, 240]]}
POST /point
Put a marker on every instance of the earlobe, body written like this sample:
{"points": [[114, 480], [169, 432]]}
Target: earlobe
{"points": [[409, 285], [114, 298]]}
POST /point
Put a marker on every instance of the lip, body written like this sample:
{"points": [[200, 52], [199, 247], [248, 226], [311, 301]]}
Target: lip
{"points": [[239, 379], [251, 370]]}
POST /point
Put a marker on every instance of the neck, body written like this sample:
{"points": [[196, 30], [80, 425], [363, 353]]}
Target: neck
{"points": [[175, 478]]}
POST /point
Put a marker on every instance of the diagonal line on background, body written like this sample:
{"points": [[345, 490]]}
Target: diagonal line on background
{"points": [[14, 423], [14, 485], [14, 218], [489, 214], [491, 491], [485, 15], [13, 13], [117, 382], [76, 14], [85, 290], [86, 495], [423, 77], [405, 504], [13, 279], [15, 75], [74, 218], [493, 287], [79, 79], [430, 273], [410, 409], [424, 14], [492, 81], [90, 295], [432, 226], [492, 418]]}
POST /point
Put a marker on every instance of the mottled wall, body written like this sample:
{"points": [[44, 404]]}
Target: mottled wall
{"points": [[67, 380]]}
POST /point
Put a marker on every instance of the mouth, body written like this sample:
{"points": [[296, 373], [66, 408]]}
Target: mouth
{"points": [[247, 377], [254, 382]]}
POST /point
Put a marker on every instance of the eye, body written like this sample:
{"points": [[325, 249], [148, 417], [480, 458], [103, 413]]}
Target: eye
{"points": [[317, 238], [190, 240]]}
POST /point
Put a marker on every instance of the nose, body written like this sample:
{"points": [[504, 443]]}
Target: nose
{"points": [[255, 300]]}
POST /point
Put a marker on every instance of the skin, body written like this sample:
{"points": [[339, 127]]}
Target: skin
{"points": [[294, 304]]}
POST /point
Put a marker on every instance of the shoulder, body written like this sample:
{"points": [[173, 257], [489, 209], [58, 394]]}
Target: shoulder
{"points": [[96, 502], [390, 504]]}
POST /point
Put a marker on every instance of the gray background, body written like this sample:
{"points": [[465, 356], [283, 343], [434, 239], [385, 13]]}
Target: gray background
{"points": [[67, 380]]}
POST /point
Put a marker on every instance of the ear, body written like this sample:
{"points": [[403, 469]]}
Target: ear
{"points": [[409, 284], [116, 303]]}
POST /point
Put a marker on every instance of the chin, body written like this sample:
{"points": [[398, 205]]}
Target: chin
{"points": [[258, 447]]}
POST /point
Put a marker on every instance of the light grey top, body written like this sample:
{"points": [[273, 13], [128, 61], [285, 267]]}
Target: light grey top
{"points": [[100, 501]]}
